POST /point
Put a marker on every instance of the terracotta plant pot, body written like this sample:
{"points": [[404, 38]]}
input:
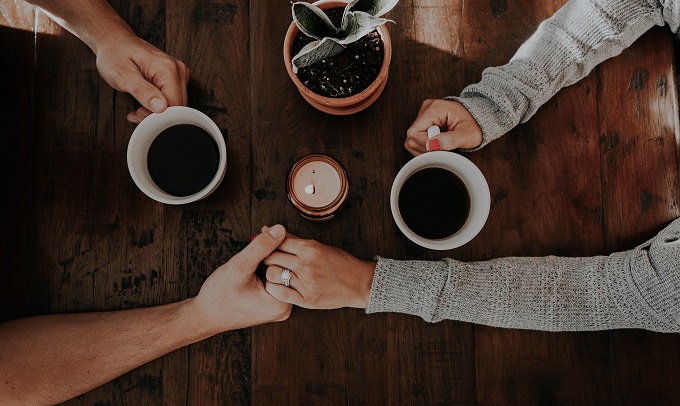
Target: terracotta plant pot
{"points": [[344, 105]]}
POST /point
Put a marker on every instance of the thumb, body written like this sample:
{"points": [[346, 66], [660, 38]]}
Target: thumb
{"points": [[260, 248], [451, 140], [289, 236], [146, 94]]}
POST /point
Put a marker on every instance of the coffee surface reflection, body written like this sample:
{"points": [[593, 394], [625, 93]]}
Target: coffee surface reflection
{"points": [[434, 203], [183, 160]]}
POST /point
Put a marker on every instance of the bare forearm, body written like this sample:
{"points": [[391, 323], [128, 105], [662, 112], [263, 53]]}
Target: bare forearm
{"points": [[91, 21], [47, 359]]}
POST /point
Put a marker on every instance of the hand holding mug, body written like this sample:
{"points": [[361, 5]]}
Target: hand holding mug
{"points": [[130, 64], [321, 276], [462, 131]]}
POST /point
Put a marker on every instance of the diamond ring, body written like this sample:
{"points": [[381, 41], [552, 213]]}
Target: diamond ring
{"points": [[285, 277]]}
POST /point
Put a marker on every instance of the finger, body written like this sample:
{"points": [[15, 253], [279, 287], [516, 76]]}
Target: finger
{"points": [[282, 260], [424, 121], [275, 273], [138, 115], [288, 234], [426, 105], [414, 147], [147, 94], [171, 83], [260, 248], [185, 84], [451, 140], [134, 117], [285, 294]]}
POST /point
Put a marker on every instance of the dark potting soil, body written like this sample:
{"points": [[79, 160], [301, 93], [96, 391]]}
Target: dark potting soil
{"points": [[346, 73]]}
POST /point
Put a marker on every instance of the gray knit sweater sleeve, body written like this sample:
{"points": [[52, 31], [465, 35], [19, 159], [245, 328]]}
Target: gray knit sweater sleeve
{"points": [[639, 288], [564, 49]]}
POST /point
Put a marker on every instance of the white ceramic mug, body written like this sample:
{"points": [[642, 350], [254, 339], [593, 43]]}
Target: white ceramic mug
{"points": [[475, 183], [148, 130]]}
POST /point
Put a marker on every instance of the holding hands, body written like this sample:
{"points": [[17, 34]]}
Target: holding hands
{"points": [[234, 297], [321, 276], [460, 130]]}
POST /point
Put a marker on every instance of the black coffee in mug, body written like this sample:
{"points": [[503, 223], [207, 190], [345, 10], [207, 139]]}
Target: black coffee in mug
{"points": [[434, 203], [183, 160]]}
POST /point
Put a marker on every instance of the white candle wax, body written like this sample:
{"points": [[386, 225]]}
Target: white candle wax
{"points": [[317, 184]]}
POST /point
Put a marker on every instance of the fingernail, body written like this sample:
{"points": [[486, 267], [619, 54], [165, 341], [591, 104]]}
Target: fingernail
{"points": [[433, 145], [156, 103], [276, 231]]}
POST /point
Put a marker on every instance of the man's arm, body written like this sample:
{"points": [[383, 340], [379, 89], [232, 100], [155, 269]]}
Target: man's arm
{"points": [[125, 61], [49, 359], [93, 22]]}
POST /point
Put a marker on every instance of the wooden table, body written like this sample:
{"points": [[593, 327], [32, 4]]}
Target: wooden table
{"points": [[595, 171]]}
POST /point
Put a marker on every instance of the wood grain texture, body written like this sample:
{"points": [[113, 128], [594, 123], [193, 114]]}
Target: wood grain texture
{"points": [[639, 154], [595, 171], [545, 185], [16, 100]]}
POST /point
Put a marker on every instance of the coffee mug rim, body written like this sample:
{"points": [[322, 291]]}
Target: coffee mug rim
{"points": [[474, 181], [157, 122]]}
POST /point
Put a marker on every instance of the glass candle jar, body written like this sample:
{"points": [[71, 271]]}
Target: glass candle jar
{"points": [[317, 185]]}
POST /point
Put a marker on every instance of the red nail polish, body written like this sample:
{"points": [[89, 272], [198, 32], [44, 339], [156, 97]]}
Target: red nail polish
{"points": [[253, 237], [433, 145]]}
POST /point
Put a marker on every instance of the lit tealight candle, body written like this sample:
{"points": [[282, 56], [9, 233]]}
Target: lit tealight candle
{"points": [[317, 186]]}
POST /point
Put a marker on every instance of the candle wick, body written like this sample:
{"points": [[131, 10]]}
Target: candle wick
{"points": [[310, 189]]}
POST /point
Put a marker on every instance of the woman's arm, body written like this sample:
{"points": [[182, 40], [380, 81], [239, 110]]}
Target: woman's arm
{"points": [[639, 288], [564, 49]]}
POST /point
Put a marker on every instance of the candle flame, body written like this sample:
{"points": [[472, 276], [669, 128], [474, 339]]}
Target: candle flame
{"points": [[310, 189]]}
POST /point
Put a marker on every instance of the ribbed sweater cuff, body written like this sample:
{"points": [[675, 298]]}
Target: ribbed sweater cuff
{"points": [[486, 114], [410, 287]]}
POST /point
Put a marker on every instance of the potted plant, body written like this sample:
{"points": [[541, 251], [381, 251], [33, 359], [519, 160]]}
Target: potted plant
{"points": [[338, 53]]}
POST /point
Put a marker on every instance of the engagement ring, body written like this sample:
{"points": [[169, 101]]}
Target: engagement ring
{"points": [[285, 277]]}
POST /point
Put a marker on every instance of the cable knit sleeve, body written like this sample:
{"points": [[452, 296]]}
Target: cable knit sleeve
{"points": [[639, 288], [564, 49]]}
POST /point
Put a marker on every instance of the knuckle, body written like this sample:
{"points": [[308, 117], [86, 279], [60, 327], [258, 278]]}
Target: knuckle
{"points": [[310, 248], [169, 67], [137, 88]]}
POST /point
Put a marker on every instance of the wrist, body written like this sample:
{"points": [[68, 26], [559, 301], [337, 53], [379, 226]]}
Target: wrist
{"points": [[196, 319], [363, 288], [115, 34]]}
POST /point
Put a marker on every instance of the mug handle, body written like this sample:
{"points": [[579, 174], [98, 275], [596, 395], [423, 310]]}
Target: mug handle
{"points": [[433, 131]]}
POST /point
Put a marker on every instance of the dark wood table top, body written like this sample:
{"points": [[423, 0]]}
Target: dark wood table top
{"points": [[595, 171]]}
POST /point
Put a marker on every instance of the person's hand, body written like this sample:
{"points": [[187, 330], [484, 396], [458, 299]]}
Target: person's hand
{"points": [[462, 131], [130, 64], [234, 296], [321, 277]]}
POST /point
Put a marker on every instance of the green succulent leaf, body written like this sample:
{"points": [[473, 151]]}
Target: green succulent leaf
{"points": [[316, 51], [375, 8], [312, 21], [357, 24]]}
